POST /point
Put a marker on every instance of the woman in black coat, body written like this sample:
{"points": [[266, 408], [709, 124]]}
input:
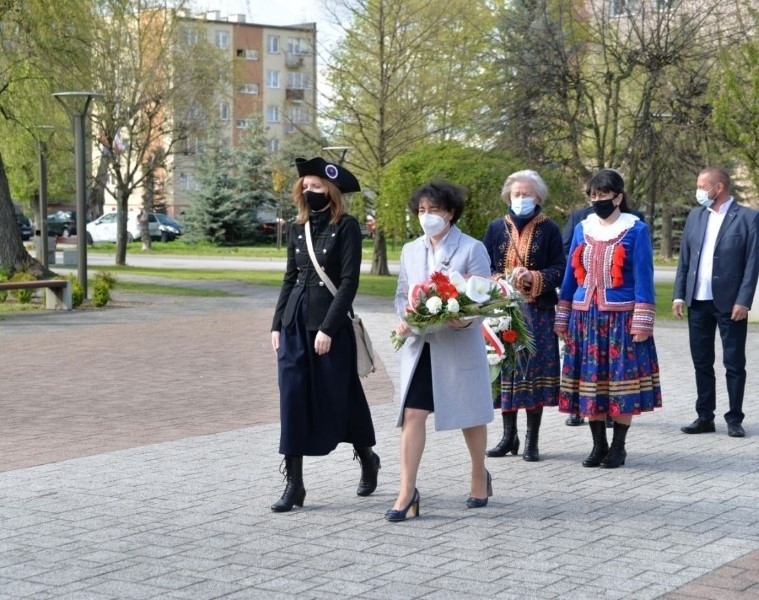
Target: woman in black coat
{"points": [[322, 402]]}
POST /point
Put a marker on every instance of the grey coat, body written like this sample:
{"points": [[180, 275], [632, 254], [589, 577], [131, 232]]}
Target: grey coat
{"points": [[460, 373]]}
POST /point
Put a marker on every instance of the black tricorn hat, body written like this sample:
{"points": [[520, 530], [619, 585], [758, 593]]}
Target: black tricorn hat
{"points": [[345, 181]]}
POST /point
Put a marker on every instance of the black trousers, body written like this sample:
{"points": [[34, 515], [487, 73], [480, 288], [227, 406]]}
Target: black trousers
{"points": [[703, 321]]}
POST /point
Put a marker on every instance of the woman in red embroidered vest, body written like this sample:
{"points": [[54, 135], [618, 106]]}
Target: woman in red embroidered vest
{"points": [[606, 317], [525, 246]]}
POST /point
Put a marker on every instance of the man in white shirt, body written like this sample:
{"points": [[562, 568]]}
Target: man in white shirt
{"points": [[716, 278]]}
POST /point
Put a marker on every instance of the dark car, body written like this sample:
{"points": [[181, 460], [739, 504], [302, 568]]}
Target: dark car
{"points": [[62, 223], [24, 224], [169, 228]]}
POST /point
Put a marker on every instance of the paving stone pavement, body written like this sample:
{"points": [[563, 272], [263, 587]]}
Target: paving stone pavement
{"points": [[138, 460]]}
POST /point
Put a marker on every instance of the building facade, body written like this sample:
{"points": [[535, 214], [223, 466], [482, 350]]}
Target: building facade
{"points": [[272, 76]]}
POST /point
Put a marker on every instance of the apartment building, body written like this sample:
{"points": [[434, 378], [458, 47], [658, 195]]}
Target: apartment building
{"points": [[272, 75]]}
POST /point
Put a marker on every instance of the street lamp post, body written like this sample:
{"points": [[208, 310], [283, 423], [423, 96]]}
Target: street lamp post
{"points": [[78, 116], [42, 251]]}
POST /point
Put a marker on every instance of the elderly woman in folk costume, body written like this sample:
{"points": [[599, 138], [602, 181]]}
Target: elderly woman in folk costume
{"points": [[525, 247]]}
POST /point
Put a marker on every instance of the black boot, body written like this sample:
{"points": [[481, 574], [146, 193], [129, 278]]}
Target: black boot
{"points": [[510, 440], [370, 466], [531, 437], [600, 445], [617, 452], [295, 493]]}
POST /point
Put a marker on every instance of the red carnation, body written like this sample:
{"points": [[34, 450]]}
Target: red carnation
{"points": [[509, 336]]}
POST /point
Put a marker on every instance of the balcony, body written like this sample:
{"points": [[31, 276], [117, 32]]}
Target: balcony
{"points": [[295, 95], [294, 60]]}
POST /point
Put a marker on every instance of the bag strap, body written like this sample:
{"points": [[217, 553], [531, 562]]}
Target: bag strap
{"points": [[319, 269]]}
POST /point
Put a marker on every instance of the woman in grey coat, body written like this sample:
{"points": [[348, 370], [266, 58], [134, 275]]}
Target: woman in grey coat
{"points": [[445, 371]]}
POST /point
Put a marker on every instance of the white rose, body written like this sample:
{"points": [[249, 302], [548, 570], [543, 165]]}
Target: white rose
{"points": [[494, 359], [453, 306], [434, 305], [504, 323]]}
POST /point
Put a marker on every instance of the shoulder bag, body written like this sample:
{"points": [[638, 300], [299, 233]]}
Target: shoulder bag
{"points": [[364, 348]]}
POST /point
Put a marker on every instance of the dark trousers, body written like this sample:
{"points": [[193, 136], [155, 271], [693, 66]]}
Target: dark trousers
{"points": [[703, 320]]}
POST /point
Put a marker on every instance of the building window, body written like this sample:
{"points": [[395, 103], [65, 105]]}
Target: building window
{"points": [[247, 54], [298, 114], [224, 111], [297, 81], [621, 8], [272, 78], [221, 40], [272, 44], [297, 46], [272, 114], [272, 145], [666, 5], [189, 36], [241, 124], [185, 181], [249, 88]]}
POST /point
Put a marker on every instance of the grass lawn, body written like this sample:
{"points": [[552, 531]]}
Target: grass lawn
{"points": [[182, 248]]}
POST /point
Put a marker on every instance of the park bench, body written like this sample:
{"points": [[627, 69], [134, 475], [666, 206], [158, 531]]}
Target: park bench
{"points": [[57, 291]]}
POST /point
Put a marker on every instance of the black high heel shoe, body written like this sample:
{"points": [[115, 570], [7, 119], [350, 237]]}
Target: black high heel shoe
{"points": [[411, 509], [473, 502]]}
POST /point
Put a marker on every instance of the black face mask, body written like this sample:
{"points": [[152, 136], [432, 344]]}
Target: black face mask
{"points": [[604, 208], [316, 201]]}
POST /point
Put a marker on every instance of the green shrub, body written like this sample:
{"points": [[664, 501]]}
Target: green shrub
{"points": [[77, 293], [108, 278], [23, 296]]}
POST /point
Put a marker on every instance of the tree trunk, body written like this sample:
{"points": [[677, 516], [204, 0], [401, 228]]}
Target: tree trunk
{"points": [[665, 234], [147, 206], [379, 257], [96, 197], [122, 207], [13, 255]]}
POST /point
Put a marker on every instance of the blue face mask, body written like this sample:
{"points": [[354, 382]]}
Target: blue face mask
{"points": [[523, 206], [702, 197]]}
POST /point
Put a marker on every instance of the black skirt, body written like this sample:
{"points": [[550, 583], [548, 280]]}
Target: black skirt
{"points": [[321, 401], [420, 389]]}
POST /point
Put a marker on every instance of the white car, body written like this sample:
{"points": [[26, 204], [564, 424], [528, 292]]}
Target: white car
{"points": [[103, 229]]}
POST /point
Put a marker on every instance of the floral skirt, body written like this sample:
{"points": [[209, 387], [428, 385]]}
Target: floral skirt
{"points": [[604, 371], [536, 382]]}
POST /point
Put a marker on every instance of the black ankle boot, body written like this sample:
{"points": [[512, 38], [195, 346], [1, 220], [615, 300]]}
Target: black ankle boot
{"points": [[370, 466], [295, 493], [531, 437], [600, 445], [617, 452], [510, 440]]}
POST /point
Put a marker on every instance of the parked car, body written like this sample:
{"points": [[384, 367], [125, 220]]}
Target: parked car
{"points": [[169, 228], [62, 223], [103, 229], [24, 224]]}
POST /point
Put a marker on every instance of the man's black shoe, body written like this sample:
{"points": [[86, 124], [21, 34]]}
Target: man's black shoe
{"points": [[699, 426], [735, 430], [574, 420]]}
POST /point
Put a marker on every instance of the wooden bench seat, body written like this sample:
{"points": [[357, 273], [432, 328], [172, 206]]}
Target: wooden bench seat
{"points": [[57, 291]]}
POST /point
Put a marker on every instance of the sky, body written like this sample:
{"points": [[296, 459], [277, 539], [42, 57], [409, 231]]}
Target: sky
{"points": [[267, 12]]}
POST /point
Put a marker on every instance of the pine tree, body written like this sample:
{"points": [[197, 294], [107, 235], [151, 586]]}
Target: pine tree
{"points": [[217, 213]]}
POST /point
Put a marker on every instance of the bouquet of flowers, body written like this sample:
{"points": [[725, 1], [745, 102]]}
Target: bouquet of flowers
{"points": [[509, 341], [443, 298]]}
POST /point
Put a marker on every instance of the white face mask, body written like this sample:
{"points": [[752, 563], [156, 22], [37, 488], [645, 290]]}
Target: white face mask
{"points": [[702, 196], [432, 224], [523, 206]]}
